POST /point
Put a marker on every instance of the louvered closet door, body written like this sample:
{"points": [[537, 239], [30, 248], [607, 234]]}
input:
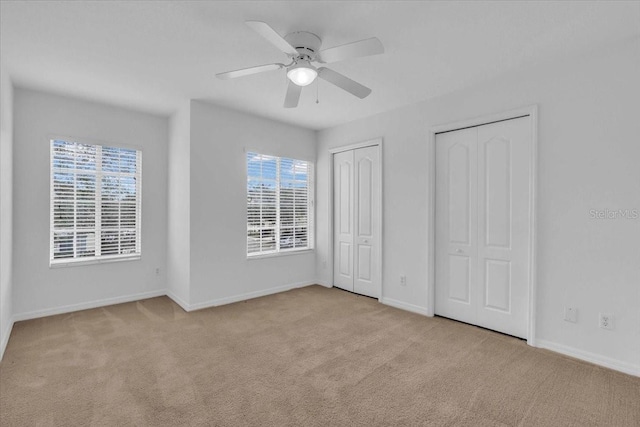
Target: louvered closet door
{"points": [[356, 204], [482, 225]]}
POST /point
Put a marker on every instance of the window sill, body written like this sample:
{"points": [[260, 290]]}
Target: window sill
{"points": [[280, 254], [92, 261]]}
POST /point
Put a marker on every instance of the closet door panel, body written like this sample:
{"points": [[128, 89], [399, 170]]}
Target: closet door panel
{"points": [[367, 180], [343, 220], [504, 149], [456, 225]]}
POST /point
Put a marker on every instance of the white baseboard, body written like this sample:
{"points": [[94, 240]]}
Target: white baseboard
{"points": [[5, 337], [250, 295], [87, 305], [405, 306], [182, 303], [144, 295], [325, 284], [594, 358]]}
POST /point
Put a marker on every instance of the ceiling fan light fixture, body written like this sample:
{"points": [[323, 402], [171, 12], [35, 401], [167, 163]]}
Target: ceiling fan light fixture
{"points": [[302, 73]]}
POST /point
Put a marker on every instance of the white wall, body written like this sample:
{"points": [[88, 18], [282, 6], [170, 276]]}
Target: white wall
{"points": [[38, 289], [179, 204], [220, 270], [6, 207], [589, 158]]}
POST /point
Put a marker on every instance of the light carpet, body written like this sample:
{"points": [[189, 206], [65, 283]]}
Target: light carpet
{"points": [[307, 357]]}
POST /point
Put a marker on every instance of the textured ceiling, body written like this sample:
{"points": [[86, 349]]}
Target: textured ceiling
{"points": [[155, 55]]}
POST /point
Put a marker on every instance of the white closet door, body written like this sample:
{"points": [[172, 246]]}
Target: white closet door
{"points": [[343, 218], [456, 225], [503, 225], [366, 204], [356, 206], [482, 225]]}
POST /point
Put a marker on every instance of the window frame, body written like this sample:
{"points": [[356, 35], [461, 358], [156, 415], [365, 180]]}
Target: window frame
{"points": [[98, 173], [310, 208]]}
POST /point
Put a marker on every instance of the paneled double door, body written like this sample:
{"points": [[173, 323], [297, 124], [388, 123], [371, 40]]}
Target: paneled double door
{"points": [[482, 262], [356, 220]]}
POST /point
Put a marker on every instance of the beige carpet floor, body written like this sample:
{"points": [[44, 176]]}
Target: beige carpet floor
{"points": [[307, 357]]}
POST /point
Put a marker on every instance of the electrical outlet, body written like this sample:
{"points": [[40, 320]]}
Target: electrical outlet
{"points": [[571, 314], [403, 280], [606, 321], [157, 271]]}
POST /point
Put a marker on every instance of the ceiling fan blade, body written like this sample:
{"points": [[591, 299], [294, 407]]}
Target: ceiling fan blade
{"points": [[344, 82], [367, 47], [248, 71], [271, 35], [293, 95]]}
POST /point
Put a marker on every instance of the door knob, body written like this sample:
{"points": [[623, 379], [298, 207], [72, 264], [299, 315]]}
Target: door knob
{"points": [[458, 251]]}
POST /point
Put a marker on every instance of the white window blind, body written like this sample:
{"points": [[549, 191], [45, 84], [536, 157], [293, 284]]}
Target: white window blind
{"points": [[95, 203], [279, 204]]}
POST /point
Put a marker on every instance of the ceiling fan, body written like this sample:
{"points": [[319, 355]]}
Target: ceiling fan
{"points": [[303, 49]]}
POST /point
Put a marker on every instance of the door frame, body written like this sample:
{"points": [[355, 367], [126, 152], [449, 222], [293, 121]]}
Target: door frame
{"points": [[532, 111], [377, 142]]}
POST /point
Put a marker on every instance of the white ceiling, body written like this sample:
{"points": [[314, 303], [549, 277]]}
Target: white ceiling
{"points": [[154, 55]]}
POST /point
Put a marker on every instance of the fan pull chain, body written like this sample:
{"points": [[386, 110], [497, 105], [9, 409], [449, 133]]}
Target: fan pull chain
{"points": [[317, 91]]}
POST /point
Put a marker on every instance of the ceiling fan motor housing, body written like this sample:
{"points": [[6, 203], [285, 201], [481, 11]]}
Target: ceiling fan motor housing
{"points": [[307, 44]]}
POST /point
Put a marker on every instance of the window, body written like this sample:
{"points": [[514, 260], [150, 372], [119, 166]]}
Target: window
{"points": [[279, 204], [95, 203]]}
